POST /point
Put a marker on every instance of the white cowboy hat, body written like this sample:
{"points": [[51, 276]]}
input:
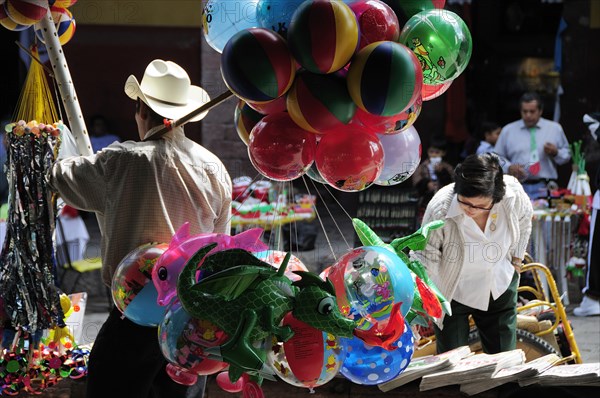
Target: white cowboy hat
{"points": [[167, 90]]}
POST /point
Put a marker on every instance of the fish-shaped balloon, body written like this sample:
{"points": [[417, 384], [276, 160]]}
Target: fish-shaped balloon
{"points": [[183, 245]]}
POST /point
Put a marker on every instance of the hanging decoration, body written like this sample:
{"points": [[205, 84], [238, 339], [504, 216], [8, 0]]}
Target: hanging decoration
{"points": [[31, 301], [37, 348]]}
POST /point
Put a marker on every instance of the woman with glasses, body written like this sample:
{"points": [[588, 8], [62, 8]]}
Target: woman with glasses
{"points": [[475, 258]]}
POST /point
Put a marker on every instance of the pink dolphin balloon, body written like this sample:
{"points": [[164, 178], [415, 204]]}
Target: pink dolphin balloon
{"points": [[183, 246]]}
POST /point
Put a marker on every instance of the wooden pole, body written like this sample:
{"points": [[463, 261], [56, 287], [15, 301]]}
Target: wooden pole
{"points": [[184, 119], [65, 84]]}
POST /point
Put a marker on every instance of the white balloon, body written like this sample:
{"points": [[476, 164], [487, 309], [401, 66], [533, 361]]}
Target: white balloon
{"points": [[402, 155]]}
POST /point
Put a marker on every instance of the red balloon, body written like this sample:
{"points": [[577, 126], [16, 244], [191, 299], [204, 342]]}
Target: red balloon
{"points": [[350, 159], [429, 92], [279, 149], [376, 20]]}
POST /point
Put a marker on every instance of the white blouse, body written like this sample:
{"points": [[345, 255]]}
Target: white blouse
{"points": [[486, 266]]}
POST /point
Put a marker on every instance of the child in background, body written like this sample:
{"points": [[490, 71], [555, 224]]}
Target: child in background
{"points": [[432, 174], [489, 135]]}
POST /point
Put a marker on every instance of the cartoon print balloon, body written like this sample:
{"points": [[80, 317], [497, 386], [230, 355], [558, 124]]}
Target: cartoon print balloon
{"points": [[323, 35], [402, 156], [279, 149], [270, 72], [319, 103], [132, 289], [221, 19], [441, 41], [385, 78], [368, 280], [349, 159], [368, 365]]}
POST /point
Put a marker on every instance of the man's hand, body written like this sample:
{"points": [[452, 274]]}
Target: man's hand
{"points": [[550, 149], [518, 171]]}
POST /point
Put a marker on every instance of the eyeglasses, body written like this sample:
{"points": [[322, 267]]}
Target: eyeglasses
{"points": [[470, 206]]}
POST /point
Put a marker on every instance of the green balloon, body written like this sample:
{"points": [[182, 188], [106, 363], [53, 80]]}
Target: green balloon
{"points": [[442, 43]]}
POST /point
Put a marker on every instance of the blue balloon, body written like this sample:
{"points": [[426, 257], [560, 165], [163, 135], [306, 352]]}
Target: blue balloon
{"points": [[221, 19], [276, 14], [368, 365], [143, 309]]}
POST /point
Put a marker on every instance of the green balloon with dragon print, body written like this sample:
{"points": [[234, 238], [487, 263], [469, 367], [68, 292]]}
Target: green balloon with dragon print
{"points": [[442, 43]]}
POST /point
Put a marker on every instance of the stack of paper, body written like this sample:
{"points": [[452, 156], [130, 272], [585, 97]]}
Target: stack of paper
{"points": [[585, 374], [473, 368], [513, 373], [419, 367]]}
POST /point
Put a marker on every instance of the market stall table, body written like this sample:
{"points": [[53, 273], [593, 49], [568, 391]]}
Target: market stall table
{"points": [[271, 217]]}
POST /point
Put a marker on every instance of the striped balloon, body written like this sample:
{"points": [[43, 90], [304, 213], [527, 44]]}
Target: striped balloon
{"points": [[323, 35], [64, 3], [318, 103], [385, 78], [244, 119], [9, 23], [269, 107], [26, 12], [257, 66], [64, 22]]}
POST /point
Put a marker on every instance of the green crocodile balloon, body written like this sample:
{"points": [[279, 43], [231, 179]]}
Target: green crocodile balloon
{"points": [[248, 298]]}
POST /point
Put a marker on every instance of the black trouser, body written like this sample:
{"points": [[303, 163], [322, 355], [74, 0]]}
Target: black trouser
{"points": [[593, 270], [126, 361], [497, 326]]}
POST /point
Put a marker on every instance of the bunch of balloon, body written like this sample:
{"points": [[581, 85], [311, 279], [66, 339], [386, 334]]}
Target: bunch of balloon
{"points": [[335, 68], [182, 338], [20, 15]]}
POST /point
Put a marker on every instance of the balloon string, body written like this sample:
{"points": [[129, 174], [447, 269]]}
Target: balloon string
{"points": [[321, 218], [331, 215]]}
